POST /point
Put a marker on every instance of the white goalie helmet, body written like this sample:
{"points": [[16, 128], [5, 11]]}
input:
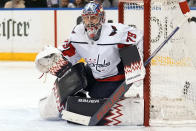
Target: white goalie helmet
{"points": [[93, 18]]}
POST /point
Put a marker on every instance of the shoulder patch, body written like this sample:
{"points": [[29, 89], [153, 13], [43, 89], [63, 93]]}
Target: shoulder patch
{"points": [[113, 31]]}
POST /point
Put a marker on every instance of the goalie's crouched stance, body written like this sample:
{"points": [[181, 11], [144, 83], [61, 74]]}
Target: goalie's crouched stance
{"points": [[69, 93]]}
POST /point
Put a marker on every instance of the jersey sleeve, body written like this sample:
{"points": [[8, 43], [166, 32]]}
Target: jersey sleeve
{"points": [[122, 35], [131, 36], [69, 52]]}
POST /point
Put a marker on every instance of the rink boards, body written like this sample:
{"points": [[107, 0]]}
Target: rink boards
{"points": [[24, 32]]}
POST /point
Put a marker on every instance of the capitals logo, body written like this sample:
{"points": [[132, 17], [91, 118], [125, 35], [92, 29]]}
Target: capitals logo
{"points": [[100, 66]]}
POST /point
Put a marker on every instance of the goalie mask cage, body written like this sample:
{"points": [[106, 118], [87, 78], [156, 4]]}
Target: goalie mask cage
{"points": [[170, 84]]}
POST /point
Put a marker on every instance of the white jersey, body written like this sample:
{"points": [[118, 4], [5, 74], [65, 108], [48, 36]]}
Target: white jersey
{"points": [[102, 55]]}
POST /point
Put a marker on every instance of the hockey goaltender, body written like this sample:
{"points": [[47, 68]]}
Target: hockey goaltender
{"points": [[113, 53]]}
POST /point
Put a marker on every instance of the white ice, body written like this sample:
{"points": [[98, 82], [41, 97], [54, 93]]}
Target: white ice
{"points": [[20, 91]]}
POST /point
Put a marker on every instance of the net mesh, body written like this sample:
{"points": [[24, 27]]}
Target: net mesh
{"points": [[173, 80]]}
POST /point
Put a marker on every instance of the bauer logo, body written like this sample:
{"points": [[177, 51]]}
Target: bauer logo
{"points": [[11, 28], [88, 101]]}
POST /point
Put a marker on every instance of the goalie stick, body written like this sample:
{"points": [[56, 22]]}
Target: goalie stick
{"points": [[118, 93]]}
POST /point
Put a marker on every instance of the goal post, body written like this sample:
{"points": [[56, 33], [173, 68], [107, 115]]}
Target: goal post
{"points": [[169, 90]]}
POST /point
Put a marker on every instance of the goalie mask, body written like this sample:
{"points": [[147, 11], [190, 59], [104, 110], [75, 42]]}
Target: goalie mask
{"points": [[93, 18]]}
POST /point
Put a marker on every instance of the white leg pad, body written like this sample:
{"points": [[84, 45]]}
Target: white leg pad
{"points": [[48, 108], [129, 111]]}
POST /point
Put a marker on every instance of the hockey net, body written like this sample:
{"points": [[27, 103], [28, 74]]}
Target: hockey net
{"points": [[170, 84]]}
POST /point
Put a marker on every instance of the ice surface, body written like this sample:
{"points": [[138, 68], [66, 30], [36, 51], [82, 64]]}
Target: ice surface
{"points": [[20, 91]]}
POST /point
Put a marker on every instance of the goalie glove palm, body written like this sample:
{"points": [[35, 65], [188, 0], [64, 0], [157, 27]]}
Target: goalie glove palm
{"points": [[51, 60]]}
